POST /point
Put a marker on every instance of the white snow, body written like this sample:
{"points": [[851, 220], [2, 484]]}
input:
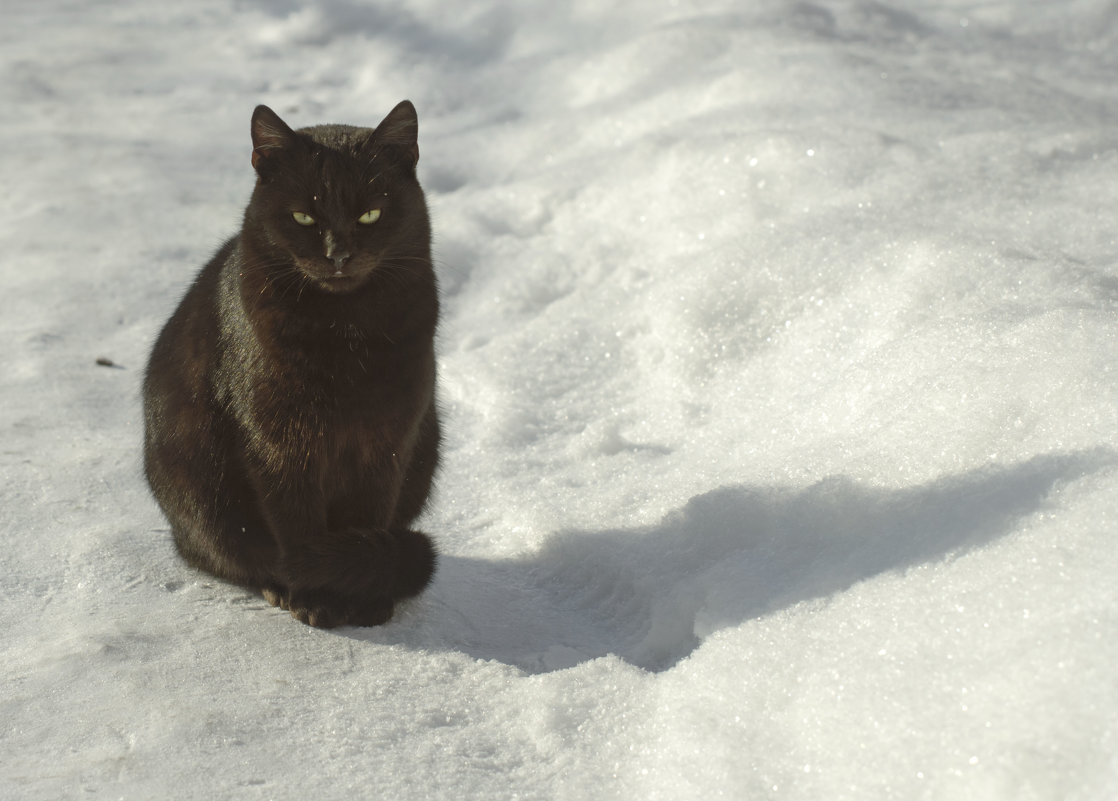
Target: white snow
{"points": [[780, 373]]}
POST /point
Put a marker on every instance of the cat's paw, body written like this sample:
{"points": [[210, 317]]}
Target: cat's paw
{"points": [[324, 609], [320, 617], [276, 596], [315, 608], [319, 608]]}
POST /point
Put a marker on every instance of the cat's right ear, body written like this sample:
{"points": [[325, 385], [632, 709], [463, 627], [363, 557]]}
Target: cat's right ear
{"points": [[270, 135]]}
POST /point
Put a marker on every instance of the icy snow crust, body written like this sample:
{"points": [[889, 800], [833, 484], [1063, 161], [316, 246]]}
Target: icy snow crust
{"points": [[778, 367]]}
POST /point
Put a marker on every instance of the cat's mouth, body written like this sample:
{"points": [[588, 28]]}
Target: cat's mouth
{"points": [[334, 279], [340, 280]]}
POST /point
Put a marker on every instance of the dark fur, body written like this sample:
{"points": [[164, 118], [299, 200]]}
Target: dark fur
{"points": [[291, 429]]}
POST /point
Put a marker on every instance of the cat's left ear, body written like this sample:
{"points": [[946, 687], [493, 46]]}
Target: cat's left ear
{"points": [[400, 128], [270, 135]]}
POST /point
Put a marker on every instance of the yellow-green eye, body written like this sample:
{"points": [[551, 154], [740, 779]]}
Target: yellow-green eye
{"points": [[302, 219], [369, 217]]}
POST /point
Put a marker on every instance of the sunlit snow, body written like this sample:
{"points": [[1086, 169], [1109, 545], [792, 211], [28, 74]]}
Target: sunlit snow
{"points": [[779, 367]]}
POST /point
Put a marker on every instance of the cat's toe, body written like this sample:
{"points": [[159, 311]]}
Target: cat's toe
{"points": [[320, 617], [275, 596], [324, 618], [318, 608]]}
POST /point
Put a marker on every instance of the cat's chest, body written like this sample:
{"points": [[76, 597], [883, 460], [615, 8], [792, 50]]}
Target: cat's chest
{"points": [[341, 399]]}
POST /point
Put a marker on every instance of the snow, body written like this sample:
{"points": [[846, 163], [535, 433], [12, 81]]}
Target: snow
{"points": [[778, 370]]}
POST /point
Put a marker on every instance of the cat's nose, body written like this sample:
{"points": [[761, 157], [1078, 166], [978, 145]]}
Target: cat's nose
{"points": [[336, 251]]}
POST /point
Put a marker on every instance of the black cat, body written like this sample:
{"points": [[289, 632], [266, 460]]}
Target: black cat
{"points": [[291, 431]]}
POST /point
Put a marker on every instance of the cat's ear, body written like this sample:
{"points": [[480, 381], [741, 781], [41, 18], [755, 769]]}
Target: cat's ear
{"points": [[270, 135], [400, 128]]}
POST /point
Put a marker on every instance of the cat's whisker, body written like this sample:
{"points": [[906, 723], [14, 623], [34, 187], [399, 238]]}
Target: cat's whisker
{"points": [[420, 259], [399, 274], [304, 282]]}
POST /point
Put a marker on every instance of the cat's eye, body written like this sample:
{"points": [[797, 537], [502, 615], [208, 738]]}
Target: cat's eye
{"points": [[369, 217], [302, 219]]}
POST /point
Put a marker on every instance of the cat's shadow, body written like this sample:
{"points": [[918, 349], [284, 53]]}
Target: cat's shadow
{"points": [[652, 595]]}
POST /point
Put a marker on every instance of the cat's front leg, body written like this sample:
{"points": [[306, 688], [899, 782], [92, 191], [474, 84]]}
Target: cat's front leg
{"points": [[295, 514], [330, 578]]}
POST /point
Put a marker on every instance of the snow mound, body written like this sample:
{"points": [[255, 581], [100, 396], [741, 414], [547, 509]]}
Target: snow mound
{"points": [[777, 363]]}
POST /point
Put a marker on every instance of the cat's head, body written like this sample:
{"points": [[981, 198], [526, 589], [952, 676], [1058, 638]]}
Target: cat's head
{"points": [[337, 201]]}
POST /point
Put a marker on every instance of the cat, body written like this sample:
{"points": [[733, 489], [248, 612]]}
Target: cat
{"points": [[291, 432]]}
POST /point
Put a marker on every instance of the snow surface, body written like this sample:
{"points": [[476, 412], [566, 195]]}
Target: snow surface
{"points": [[779, 373]]}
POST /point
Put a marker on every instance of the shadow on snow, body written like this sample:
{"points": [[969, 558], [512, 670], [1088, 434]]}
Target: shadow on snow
{"points": [[651, 595]]}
